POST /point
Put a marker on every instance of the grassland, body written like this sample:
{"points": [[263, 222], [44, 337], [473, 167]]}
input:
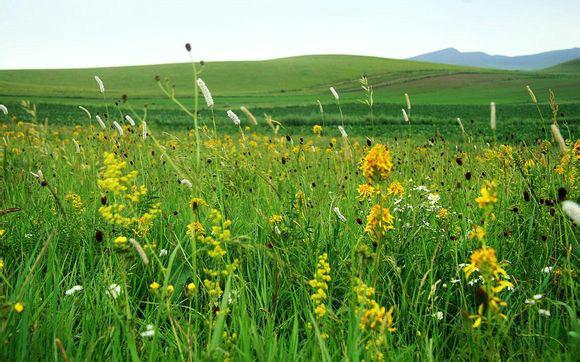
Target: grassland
{"points": [[419, 240]]}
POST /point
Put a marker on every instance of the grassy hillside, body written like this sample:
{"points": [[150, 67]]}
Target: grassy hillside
{"points": [[573, 66], [291, 81]]}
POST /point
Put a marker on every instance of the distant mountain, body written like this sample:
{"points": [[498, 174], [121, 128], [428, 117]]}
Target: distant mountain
{"points": [[480, 59]]}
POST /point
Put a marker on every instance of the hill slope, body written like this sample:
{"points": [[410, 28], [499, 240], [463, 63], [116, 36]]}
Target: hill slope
{"points": [[572, 67], [480, 59], [304, 74]]}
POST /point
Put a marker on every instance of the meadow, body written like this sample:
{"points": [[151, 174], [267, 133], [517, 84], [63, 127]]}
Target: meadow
{"points": [[149, 234]]}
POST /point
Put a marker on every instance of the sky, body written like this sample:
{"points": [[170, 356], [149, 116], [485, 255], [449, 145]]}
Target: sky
{"points": [[76, 34]]}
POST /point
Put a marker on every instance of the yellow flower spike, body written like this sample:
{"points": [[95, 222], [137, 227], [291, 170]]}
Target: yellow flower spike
{"points": [[169, 289], [488, 194], [120, 240], [377, 163]]}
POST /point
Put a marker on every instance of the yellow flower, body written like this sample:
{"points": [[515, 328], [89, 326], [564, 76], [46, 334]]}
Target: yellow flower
{"points": [[1, 264], [443, 213], [170, 289], [320, 285], [395, 188], [275, 219], [317, 130], [120, 240], [485, 261], [154, 286], [477, 232], [196, 202], [18, 307], [377, 163], [191, 288], [488, 194], [366, 191], [379, 221], [2, 232]]}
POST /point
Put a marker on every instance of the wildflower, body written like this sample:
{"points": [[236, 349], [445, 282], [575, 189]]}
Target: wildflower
{"points": [[408, 100], [154, 286], [206, 93], [120, 240], [320, 285], [342, 132], [144, 125], [477, 232], [234, 118], [114, 291], [196, 202], [439, 316], [443, 213], [18, 307], [275, 219], [86, 111], [373, 317], [100, 83], [485, 261], [405, 115], [118, 127], [532, 95], [191, 288], [572, 209], [317, 130], [77, 146], [250, 115], [73, 290], [149, 331], [492, 115], [377, 163], [558, 137], [538, 296], [3, 109], [544, 312], [1, 264], [366, 191], [395, 188], [163, 252], [38, 175], [379, 221], [334, 93], [130, 120], [488, 194], [169, 289], [340, 216], [548, 269], [2, 232], [186, 182], [460, 125], [100, 121]]}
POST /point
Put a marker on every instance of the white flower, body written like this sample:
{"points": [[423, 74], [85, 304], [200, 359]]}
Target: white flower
{"points": [[277, 230], [100, 83], [77, 146], [149, 331], [73, 290], [234, 117], [339, 214], [334, 93], [163, 252], [462, 265], [186, 182], [438, 315], [544, 312], [460, 125], [205, 92], [3, 109], [537, 296], [86, 111], [118, 127], [100, 121], [114, 290], [408, 100], [530, 301], [38, 175], [433, 198], [342, 131], [492, 115], [422, 188], [405, 115], [144, 130], [572, 209], [130, 120], [532, 95], [548, 269]]}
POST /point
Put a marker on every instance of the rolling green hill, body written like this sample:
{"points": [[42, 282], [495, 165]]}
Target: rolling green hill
{"points": [[294, 80], [571, 67]]}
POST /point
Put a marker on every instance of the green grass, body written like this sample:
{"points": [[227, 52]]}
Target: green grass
{"points": [[50, 245], [572, 66]]}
